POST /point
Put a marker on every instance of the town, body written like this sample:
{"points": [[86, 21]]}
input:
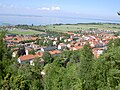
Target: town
{"points": [[60, 57], [28, 47]]}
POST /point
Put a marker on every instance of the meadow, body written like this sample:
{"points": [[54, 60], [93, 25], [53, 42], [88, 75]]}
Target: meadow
{"points": [[24, 32], [77, 27]]}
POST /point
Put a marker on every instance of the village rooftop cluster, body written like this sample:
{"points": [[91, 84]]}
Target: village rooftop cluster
{"points": [[55, 43]]}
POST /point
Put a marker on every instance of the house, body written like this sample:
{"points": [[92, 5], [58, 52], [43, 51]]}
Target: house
{"points": [[30, 58], [70, 45], [9, 38], [77, 48], [26, 58], [39, 54], [56, 38], [50, 48], [55, 42], [78, 43], [35, 47], [61, 37], [55, 52], [61, 46], [14, 54], [98, 51]]}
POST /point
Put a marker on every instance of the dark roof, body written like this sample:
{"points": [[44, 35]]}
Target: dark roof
{"points": [[11, 35], [50, 48], [100, 45]]}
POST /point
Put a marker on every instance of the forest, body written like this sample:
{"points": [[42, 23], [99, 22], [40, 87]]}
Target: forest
{"points": [[73, 70]]}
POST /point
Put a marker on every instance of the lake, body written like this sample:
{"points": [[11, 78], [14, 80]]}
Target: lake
{"points": [[45, 20]]}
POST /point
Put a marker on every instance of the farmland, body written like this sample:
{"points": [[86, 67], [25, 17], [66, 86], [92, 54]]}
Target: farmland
{"points": [[25, 32], [31, 30], [77, 27]]}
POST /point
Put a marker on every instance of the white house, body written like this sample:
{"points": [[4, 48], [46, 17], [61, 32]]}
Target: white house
{"points": [[61, 46], [26, 58]]}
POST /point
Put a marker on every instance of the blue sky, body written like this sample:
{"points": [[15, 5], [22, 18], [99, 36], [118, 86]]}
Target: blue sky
{"points": [[81, 8]]}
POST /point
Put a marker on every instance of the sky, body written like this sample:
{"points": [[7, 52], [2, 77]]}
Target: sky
{"points": [[68, 8]]}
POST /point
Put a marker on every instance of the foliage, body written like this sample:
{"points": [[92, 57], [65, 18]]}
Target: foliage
{"points": [[47, 57], [32, 51], [86, 64]]}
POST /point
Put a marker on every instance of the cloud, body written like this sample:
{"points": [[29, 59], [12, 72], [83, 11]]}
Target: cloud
{"points": [[6, 6], [44, 8], [55, 8]]}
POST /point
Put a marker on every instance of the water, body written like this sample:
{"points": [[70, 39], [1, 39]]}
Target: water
{"points": [[45, 20]]}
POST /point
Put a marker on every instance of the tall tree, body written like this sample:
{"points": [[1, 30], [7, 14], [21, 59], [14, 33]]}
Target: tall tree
{"points": [[47, 57], [71, 81], [54, 76], [86, 62], [107, 68]]}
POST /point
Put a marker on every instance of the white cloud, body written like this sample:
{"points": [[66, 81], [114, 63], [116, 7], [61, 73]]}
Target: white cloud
{"points": [[55, 8], [6, 6], [44, 8]]}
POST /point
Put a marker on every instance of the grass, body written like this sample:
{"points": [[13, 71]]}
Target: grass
{"points": [[64, 28], [25, 32]]}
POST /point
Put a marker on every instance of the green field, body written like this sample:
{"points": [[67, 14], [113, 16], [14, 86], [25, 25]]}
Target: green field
{"points": [[25, 32], [64, 28], [77, 27]]}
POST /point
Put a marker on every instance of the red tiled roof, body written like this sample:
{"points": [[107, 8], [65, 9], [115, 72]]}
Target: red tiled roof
{"points": [[62, 44], [77, 47], [77, 43], [39, 54], [8, 38], [55, 52], [27, 57]]}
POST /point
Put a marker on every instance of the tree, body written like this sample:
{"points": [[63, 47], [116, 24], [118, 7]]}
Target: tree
{"points": [[20, 82], [86, 64], [107, 68], [32, 51], [37, 79], [54, 76], [47, 57], [5, 56], [2, 44], [71, 81], [6, 82], [40, 42]]}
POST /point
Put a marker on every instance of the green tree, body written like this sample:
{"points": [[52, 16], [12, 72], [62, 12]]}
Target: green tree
{"points": [[47, 57], [20, 83], [107, 68], [6, 82], [86, 64], [5, 56], [54, 76], [32, 51], [71, 81]]}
